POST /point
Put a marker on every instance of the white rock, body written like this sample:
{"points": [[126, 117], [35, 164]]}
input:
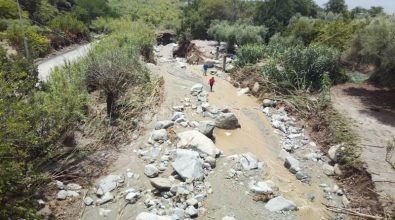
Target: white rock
{"points": [[248, 161], [151, 171], [161, 183], [73, 186], [207, 128], [292, 164], [88, 201], [328, 169], [151, 216], [332, 152], [62, 195], [177, 115], [196, 89], [283, 154], [197, 141], [279, 204], [268, 103], [132, 197], [59, 184], [105, 198], [188, 164], [108, 183], [243, 91], [256, 87], [192, 202], [228, 218], [159, 135], [71, 193], [191, 211]]}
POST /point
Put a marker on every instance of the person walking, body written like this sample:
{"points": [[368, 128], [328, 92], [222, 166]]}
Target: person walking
{"points": [[205, 68], [211, 83]]}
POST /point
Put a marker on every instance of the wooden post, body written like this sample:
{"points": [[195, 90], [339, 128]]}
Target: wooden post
{"points": [[217, 53], [224, 63]]}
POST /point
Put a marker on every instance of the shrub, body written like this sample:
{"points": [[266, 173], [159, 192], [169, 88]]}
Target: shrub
{"points": [[237, 33], [375, 45], [67, 29], [39, 45], [304, 68], [250, 54], [278, 44]]}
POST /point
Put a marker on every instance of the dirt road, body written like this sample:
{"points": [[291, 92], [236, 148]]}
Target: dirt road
{"points": [[372, 111]]}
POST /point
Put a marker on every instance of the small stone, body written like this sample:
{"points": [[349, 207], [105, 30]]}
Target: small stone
{"points": [[73, 186], [159, 135], [279, 204], [105, 198], [71, 193], [191, 211], [248, 161], [161, 183], [292, 164], [62, 195], [256, 87], [268, 103], [177, 115], [59, 185], [192, 202], [88, 201], [132, 197], [151, 171], [332, 152], [328, 169], [337, 170]]}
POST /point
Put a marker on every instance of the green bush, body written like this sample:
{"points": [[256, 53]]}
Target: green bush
{"points": [[304, 67], [39, 45], [250, 54], [67, 29], [375, 44], [237, 33], [278, 44]]}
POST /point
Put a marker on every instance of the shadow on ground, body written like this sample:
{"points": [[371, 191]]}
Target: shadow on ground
{"points": [[380, 102]]}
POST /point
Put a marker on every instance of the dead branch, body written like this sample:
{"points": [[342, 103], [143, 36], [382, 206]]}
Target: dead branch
{"points": [[351, 212]]}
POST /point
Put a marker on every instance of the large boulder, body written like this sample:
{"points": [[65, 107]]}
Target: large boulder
{"points": [[108, 183], [196, 89], [188, 164], [227, 121], [197, 141], [280, 204], [150, 216], [207, 128]]}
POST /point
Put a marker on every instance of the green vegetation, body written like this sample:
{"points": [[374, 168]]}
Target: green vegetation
{"points": [[375, 45], [237, 33]]}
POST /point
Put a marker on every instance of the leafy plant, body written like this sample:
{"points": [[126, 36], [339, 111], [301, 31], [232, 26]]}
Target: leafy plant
{"points": [[250, 54]]}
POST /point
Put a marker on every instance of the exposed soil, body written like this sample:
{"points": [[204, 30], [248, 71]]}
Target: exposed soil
{"points": [[371, 110]]}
